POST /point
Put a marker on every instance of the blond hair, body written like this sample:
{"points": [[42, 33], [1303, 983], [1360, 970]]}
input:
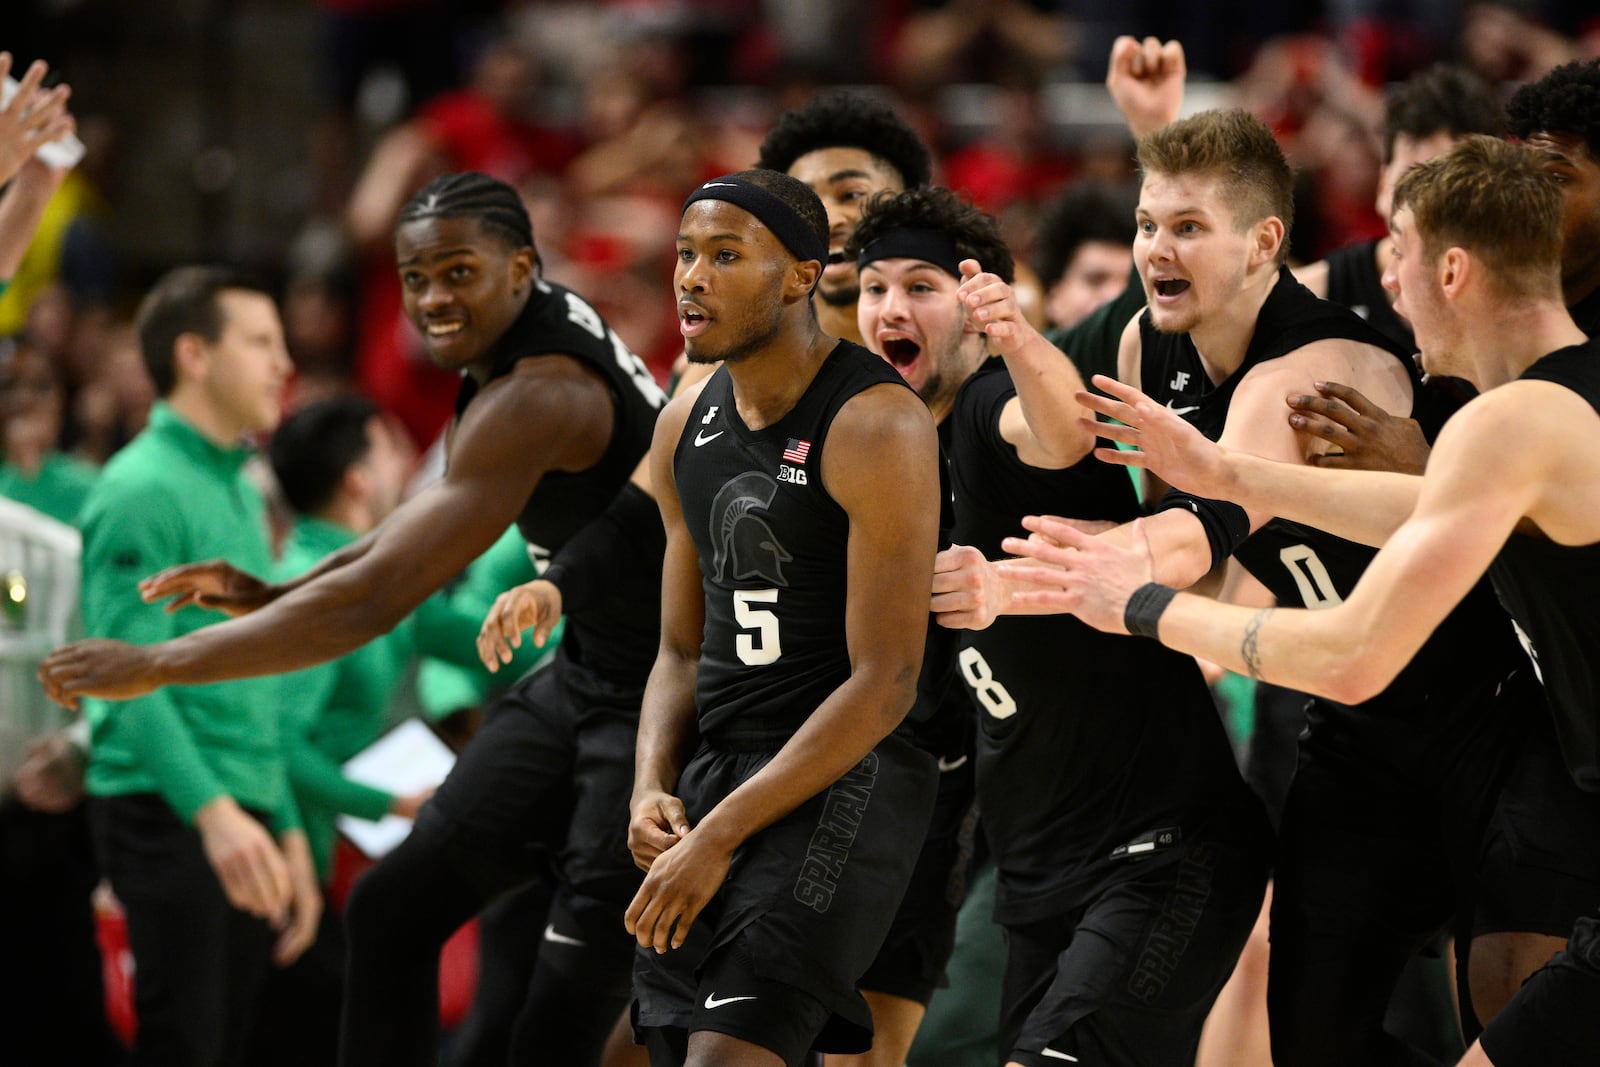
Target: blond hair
{"points": [[1495, 200], [1236, 147]]}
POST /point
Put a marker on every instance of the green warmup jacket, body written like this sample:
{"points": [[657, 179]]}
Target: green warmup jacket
{"points": [[58, 489], [336, 709], [170, 497]]}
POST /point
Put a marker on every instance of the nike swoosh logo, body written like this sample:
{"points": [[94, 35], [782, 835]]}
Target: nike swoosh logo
{"points": [[1050, 1053], [1182, 411], [702, 438], [950, 765], [719, 185], [551, 934], [713, 1002]]}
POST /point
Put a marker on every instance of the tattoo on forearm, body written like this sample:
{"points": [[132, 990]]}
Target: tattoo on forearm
{"points": [[1249, 648]]}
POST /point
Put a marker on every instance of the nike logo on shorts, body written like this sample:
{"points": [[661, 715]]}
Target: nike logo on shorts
{"points": [[946, 765], [713, 1002], [551, 935], [1052, 1054], [703, 438]]}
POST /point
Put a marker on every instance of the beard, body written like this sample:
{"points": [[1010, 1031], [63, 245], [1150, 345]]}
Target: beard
{"points": [[845, 296]]}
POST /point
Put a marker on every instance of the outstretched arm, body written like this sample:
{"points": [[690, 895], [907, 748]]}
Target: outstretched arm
{"points": [[549, 415], [1351, 651], [1361, 506]]}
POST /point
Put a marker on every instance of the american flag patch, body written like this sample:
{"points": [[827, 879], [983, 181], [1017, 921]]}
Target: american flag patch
{"points": [[796, 451]]}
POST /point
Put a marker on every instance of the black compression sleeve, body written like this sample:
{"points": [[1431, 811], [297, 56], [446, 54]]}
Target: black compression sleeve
{"points": [[1225, 522], [597, 557]]}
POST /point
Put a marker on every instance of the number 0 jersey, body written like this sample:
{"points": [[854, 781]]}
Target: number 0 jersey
{"points": [[773, 552], [1306, 567], [618, 636]]}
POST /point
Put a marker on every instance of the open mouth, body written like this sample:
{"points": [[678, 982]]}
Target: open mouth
{"points": [[691, 321], [1170, 286], [901, 351], [443, 329]]}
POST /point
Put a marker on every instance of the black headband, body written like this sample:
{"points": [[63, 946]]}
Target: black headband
{"points": [[784, 221], [930, 246]]}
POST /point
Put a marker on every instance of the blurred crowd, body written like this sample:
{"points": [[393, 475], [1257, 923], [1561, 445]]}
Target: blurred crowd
{"points": [[603, 114]]}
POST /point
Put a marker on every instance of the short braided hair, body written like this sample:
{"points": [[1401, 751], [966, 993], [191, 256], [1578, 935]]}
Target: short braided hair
{"points": [[496, 206]]}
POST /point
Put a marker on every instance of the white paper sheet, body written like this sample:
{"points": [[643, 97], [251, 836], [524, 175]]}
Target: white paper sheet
{"points": [[407, 759]]}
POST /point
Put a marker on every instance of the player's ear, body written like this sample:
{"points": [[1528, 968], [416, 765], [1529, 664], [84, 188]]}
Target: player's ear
{"points": [[522, 267], [1268, 237], [1455, 267], [802, 279]]}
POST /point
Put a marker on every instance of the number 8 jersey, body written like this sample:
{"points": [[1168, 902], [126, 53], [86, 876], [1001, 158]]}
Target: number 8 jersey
{"points": [[773, 547]]}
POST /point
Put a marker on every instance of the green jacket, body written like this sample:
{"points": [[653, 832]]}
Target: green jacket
{"points": [[170, 497], [444, 687], [336, 709], [58, 489]]}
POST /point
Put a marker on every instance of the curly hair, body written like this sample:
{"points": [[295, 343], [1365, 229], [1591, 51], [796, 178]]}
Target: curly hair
{"points": [[1080, 215], [848, 120], [1567, 100], [975, 234]]}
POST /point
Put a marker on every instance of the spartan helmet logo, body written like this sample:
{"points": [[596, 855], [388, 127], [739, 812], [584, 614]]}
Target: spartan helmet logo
{"points": [[746, 545]]}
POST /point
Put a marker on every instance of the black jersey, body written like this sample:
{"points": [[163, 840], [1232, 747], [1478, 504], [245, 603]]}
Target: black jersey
{"points": [[1553, 593], [619, 634], [1586, 313], [1355, 282], [773, 548], [1306, 567], [941, 718], [1090, 746]]}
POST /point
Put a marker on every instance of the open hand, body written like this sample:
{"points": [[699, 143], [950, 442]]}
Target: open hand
{"points": [[111, 670], [1077, 573], [1365, 436], [1163, 442], [31, 118], [214, 584], [534, 605]]}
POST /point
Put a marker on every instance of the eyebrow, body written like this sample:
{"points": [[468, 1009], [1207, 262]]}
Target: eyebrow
{"points": [[739, 238], [436, 256], [854, 172], [1187, 209]]}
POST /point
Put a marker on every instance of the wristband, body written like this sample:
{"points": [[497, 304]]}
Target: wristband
{"points": [[1145, 607]]}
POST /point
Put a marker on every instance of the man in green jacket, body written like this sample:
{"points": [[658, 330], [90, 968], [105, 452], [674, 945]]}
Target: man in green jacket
{"points": [[193, 816]]}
